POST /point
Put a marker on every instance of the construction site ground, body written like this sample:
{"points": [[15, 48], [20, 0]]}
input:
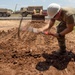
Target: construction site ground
{"points": [[33, 53]]}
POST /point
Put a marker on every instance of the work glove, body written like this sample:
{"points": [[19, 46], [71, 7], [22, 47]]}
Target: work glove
{"points": [[32, 29], [35, 30]]}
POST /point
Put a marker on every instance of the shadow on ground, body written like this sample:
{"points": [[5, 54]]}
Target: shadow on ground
{"points": [[58, 61]]}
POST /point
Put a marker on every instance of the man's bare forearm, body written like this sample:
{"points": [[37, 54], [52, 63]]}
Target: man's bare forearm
{"points": [[48, 26], [51, 24], [67, 30]]}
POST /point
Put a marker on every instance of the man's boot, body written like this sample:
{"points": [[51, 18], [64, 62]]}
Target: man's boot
{"points": [[61, 51]]}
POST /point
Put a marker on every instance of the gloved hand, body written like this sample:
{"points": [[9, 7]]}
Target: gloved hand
{"points": [[32, 29], [35, 30]]}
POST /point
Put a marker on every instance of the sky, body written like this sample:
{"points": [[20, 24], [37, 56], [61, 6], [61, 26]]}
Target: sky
{"points": [[12, 4]]}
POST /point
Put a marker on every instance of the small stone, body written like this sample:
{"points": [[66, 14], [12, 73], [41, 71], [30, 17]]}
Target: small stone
{"points": [[15, 63], [31, 50]]}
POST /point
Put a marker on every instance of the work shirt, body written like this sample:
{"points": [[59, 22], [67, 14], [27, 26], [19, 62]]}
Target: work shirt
{"points": [[67, 15]]}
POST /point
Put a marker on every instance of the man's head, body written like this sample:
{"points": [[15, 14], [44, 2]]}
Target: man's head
{"points": [[53, 10]]}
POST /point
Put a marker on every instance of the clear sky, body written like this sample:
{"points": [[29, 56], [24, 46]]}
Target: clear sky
{"points": [[24, 3]]}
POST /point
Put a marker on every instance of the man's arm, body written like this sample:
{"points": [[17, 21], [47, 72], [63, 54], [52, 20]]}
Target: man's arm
{"points": [[67, 30], [70, 25], [64, 32], [48, 26]]}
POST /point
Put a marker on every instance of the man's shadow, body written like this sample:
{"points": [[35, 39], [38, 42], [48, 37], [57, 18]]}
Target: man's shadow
{"points": [[58, 61]]}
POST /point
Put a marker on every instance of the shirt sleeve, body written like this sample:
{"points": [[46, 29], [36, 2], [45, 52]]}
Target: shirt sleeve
{"points": [[70, 19]]}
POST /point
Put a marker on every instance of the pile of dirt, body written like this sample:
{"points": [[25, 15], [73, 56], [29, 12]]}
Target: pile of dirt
{"points": [[33, 53]]}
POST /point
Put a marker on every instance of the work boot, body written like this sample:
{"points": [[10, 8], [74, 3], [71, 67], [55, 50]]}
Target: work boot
{"points": [[60, 51]]}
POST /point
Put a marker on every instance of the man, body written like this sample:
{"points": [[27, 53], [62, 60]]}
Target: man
{"points": [[66, 16]]}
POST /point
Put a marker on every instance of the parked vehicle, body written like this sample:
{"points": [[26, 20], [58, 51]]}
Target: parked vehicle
{"points": [[36, 12], [5, 12]]}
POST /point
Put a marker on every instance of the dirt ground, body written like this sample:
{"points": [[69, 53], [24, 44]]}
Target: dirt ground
{"points": [[33, 53]]}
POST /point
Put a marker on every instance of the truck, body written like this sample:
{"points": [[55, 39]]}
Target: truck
{"points": [[24, 11], [4, 12], [35, 11]]}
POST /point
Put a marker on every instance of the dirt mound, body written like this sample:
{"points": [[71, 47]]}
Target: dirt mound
{"points": [[32, 55]]}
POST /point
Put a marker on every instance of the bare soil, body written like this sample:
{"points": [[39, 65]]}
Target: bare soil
{"points": [[33, 53]]}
